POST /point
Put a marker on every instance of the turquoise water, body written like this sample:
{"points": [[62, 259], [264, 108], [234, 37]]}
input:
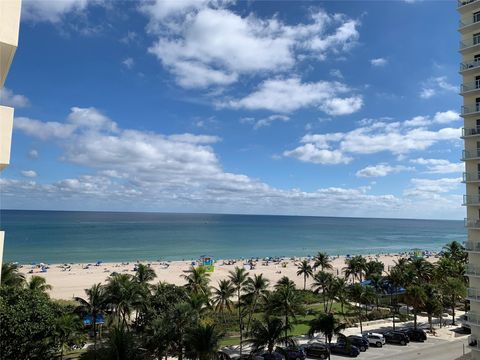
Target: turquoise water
{"points": [[60, 236]]}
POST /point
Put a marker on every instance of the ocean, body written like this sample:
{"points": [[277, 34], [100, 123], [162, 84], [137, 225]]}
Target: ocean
{"points": [[73, 236]]}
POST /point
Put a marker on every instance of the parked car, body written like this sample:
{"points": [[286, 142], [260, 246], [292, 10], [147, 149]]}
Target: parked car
{"points": [[359, 341], [316, 350], [344, 349], [375, 339], [415, 334], [266, 356], [291, 352], [396, 337]]}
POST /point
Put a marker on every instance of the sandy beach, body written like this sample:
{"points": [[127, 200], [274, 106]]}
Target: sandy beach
{"points": [[71, 280]]}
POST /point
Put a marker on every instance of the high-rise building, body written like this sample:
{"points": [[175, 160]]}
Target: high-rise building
{"points": [[9, 28]]}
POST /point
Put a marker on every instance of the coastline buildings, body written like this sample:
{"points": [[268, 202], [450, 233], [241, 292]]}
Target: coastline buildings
{"points": [[9, 28]]}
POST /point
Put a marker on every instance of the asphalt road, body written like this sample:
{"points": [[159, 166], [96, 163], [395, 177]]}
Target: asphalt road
{"points": [[431, 349]]}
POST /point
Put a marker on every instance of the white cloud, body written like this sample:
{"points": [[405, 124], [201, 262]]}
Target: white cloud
{"points": [[398, 138], [436, 85], [43, 130], [8, 98], [52, 10], [440, 117], [378, 62], [204, 43], [439, 166], [264, 122], [381, 170], [430, 187], [128, 63], [287, 95], [336, 73], [29, 173], [33, 154], [142, 170], [312, 154]]}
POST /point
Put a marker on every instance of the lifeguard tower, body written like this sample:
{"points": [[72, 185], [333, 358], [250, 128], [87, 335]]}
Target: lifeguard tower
{"points": [[207, 262]]}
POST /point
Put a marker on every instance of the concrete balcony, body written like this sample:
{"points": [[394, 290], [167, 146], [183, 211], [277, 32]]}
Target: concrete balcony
{"points": [[463, 6], [472, 223], [470, 87], [471, 177], [6, 125], [473, 343], [473, 294], [472, 246], [10, 20], [472, 318], [470, 132], [470, 109], [471, 200], [470, 155], [469, 46], [471, 23], [469, 66]]}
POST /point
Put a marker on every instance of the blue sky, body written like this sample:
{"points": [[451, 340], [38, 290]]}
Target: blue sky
{"points": [[305, 108]]}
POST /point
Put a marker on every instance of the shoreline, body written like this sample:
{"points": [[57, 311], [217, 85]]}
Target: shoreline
{"points": [[70, 279]]}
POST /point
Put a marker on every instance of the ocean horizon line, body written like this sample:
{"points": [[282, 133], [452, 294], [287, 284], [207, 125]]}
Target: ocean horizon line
{"points": [[227, 214]]}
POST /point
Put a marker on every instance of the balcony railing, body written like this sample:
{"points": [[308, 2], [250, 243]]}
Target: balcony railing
{"points": [[470, 131], [469, 65], [472, 223], [474, 41], [470, 154], [472, 270], [473, 294], [470, 109], [469, 21], [471, 199], [473, 318], [461, 3], [472, 246], [471, 177], [473, 342], [470, 86]]}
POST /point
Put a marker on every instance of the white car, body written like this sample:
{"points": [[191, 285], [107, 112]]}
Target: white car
{"points": [[375, 339]]}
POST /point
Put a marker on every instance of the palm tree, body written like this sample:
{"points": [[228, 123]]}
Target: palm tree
{"points": [[11, 276], [144, 274], [203, 342], [239, 279], [305, 269], [454, 290], [373, 268], [123, 294], [68, 331], [266, 334], [38, 283], [322, 261], [326, 324], [197, 280], [356, 293], [355, 267], [256, 290], [376, 282], [415, 296], [455, 251], [285, 300], [322, 281], [93, 305], [121, 344], [340, 292], [422, 269], [222, 297], [284, 281], [432, 305]]}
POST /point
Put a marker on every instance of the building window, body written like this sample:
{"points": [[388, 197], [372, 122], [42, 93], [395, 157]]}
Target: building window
{"points": [[476, 38]]}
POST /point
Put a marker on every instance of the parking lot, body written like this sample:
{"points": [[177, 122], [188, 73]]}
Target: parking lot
{"points": [[433, 348]]}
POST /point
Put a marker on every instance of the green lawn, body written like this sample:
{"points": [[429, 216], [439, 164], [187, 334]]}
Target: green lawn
{"points": [[301, 324]]}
